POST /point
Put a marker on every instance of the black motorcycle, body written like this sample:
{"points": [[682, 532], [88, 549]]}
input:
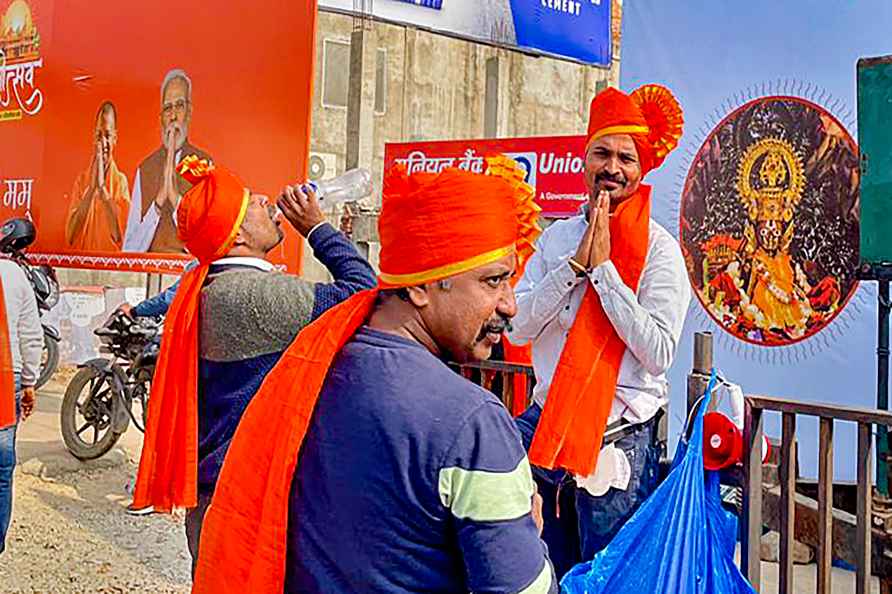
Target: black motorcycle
{"points": [[15, 236], [98, 403]]}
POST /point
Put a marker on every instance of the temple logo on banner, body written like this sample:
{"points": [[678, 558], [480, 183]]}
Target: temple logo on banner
{"points": [[19, 61], [769, 221]]}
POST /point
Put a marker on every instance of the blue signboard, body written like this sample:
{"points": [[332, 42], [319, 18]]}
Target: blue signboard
{"points": [[578, 29], [435, 4], [575, 29]]}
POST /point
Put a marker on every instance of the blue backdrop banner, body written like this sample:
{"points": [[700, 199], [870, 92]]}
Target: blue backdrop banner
{"points": [[763, 194]]}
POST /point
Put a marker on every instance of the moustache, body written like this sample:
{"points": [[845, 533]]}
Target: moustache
{"points": [[617, 178], [497, 326]]}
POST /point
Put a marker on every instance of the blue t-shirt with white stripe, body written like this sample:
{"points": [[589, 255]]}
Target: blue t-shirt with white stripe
{"points": [[411, 479]]}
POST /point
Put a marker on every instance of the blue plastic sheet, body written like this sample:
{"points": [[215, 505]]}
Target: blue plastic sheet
{"points": [[680, 541]]}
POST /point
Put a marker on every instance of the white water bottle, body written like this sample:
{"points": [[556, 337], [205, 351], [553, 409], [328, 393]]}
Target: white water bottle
{"points": [[350, 186]]}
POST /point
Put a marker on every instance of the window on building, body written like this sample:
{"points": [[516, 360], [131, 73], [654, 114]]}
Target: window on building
{"points": [[335, 73], [381, 81]]}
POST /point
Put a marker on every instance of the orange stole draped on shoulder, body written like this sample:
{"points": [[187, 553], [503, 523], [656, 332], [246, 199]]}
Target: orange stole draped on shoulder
{"points": [[7, 381], [571, 429], [518, 355], [248, 554], [168, 466]]}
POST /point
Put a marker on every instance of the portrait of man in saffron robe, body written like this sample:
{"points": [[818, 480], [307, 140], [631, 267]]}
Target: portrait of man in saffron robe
{"points": [[97, 215]]}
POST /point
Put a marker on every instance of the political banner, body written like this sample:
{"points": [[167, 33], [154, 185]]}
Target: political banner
{"points": [[554, 164], [763, 194], [99, 101], [574, 29]]}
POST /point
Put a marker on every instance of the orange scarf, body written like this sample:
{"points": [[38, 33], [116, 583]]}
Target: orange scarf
{"points": [[7, 379], [571, 429], [518, 355], [168, 466]]}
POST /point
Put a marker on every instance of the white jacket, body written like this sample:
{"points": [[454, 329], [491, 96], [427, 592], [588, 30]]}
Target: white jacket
{"points": [[23, 318]]}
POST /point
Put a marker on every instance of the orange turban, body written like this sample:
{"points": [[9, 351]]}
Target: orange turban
{"points": [[438, 225], [432, 226], [208, 219], [650, 115]]}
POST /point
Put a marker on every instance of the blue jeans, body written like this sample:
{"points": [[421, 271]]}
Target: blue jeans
{"points": [[578, 524], [7, 466]]}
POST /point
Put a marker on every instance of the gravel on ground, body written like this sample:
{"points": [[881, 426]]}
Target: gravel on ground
{"points": [[72, 534]]}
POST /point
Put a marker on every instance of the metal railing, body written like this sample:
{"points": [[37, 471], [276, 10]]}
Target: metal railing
{"points": [[498, 377], [829, 532]]}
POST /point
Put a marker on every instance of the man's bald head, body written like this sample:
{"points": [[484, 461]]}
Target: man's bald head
{"points": [[106, 131]]}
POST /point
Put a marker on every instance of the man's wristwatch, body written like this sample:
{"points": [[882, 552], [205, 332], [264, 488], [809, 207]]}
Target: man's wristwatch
{"points": [[578, 268]]}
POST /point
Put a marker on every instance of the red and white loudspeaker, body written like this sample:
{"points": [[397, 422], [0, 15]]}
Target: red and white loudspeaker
{"points": [[723, 436]]}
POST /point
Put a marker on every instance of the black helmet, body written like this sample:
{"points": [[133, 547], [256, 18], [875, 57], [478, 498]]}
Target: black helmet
{"points": [[16, 234]]}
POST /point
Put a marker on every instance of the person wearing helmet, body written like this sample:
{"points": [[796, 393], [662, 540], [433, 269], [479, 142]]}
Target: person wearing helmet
{"points": [[16, 234]]}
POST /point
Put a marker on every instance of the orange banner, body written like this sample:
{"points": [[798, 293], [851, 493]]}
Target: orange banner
{"points": [[98, 98]]}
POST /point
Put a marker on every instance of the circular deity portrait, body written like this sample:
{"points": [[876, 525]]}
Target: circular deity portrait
{"points": [[769, 221]]}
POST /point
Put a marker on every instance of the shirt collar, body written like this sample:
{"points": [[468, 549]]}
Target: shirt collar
{"points": [[258, 263]]}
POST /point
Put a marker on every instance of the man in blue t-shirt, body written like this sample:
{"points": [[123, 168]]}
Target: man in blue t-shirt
{"points": [[411, 475]]}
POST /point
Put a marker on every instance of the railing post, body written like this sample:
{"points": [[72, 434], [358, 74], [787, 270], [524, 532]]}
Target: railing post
{"points": [[508, 394], [882, 437], [825, 506], [698, 379], [788, 501], [752, 495], [531, 380], [864, 510]]}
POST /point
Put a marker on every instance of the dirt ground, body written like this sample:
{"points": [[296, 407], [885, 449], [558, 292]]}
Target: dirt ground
{"points": [[71, 535], [69, 530]]}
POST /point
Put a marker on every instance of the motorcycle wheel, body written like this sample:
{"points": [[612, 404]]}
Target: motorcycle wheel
{"points": [[141, 395], [49, 360], [87, 412]]}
